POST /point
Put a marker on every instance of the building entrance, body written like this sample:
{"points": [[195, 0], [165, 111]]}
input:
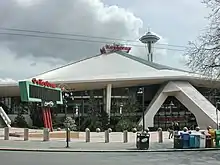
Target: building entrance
{"points": [[174, 111]]}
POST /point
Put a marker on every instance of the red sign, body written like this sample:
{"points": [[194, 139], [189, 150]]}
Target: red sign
{"points": [[171, 119], [114, 47], [43, 83]]}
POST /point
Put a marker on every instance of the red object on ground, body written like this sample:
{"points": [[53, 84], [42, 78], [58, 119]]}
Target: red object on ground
{"points": [[50, 120], [47, 119], [44, 118]]}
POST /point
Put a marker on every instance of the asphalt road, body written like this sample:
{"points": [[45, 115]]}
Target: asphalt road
{"points": [[175, 158]]}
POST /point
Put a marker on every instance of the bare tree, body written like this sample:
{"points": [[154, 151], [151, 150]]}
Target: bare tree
{"points": [[204, 53]]}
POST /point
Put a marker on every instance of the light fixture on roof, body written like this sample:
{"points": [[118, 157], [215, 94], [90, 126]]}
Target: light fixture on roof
{"points": [[149, 39], [171, 104]]}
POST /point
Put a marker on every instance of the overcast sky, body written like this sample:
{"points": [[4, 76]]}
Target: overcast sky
{"points": [[176, 22]]}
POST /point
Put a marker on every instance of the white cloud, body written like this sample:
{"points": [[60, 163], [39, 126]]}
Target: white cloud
{"points": [[87, 17], [7, 81], [28, 56], [27, 2], [23, 67]]}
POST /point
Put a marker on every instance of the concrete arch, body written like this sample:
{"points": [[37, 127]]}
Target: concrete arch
{"points": [[193, 100]]}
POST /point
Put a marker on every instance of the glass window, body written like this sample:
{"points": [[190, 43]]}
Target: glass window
{"points": [[166, 115]]}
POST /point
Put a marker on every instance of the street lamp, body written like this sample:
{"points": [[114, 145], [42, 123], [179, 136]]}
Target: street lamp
{"points": [[120, 108], [77, 112], [171, 106], [66, 96], [141, 91], [216, 108]]}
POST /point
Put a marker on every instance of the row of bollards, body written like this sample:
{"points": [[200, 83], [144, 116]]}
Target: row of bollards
{"points": [[6, 133], [46, 135], [107, 136]]}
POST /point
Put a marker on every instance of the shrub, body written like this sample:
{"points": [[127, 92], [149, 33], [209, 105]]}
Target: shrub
{"points": [[20, 121], [124, 125]]}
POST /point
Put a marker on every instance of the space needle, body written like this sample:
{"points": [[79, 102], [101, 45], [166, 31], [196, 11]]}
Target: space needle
{"points": [[149, 39]]}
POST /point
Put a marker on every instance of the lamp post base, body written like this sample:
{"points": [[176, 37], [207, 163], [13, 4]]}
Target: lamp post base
{"points": [[67, 137]]}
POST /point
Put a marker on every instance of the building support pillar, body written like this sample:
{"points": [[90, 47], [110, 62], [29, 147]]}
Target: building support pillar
{"points": [[107, 98]]}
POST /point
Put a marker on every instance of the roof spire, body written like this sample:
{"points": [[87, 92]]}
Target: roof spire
{"points": [[148, 29]]}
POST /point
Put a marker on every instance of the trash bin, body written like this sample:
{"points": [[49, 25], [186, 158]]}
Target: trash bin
{"points": [[217, 138], [176, 133], [208, 141], [197, 141], [212, 133], [202, 140], [185, 137], [192, 141], [177, 142], [142, 141]]}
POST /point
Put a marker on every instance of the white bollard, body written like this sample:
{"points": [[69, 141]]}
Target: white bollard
{"points": [[6, 133], [26, 134], [46, 134], [125, 136], [87, 135], [107, 136], [160, 135]]}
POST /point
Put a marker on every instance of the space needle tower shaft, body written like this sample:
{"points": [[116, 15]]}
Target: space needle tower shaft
{"points": [[149, 39]]}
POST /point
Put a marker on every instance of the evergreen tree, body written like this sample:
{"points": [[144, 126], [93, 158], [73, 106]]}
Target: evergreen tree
{"points": [[104, 120], [70, 123], [92, 120], [20, 121], [128, 119]]}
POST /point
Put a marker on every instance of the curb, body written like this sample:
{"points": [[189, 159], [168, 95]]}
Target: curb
{"points": [[104, 151]]}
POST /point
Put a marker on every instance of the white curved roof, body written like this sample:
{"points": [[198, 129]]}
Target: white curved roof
{"points": [[114, 66]]}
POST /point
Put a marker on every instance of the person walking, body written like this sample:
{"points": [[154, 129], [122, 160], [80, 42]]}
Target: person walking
{"points": [[176, 128], [171, 130]]}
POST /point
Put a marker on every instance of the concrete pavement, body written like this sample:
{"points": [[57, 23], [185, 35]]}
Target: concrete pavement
{"points": [[77, 145], [96, 145]]}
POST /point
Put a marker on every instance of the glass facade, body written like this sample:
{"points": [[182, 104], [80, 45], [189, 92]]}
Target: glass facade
{"points": [[12, 105], [173, 111], [121, 98]]}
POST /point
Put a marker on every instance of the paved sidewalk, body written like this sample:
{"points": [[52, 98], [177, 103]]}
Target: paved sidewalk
{"points": [[96, 144], [77, 146], [95, 137]]}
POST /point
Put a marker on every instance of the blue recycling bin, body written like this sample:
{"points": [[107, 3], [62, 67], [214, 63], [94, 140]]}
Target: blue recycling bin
{"points": [[192, 141], [197, 141], [185, 137]]}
